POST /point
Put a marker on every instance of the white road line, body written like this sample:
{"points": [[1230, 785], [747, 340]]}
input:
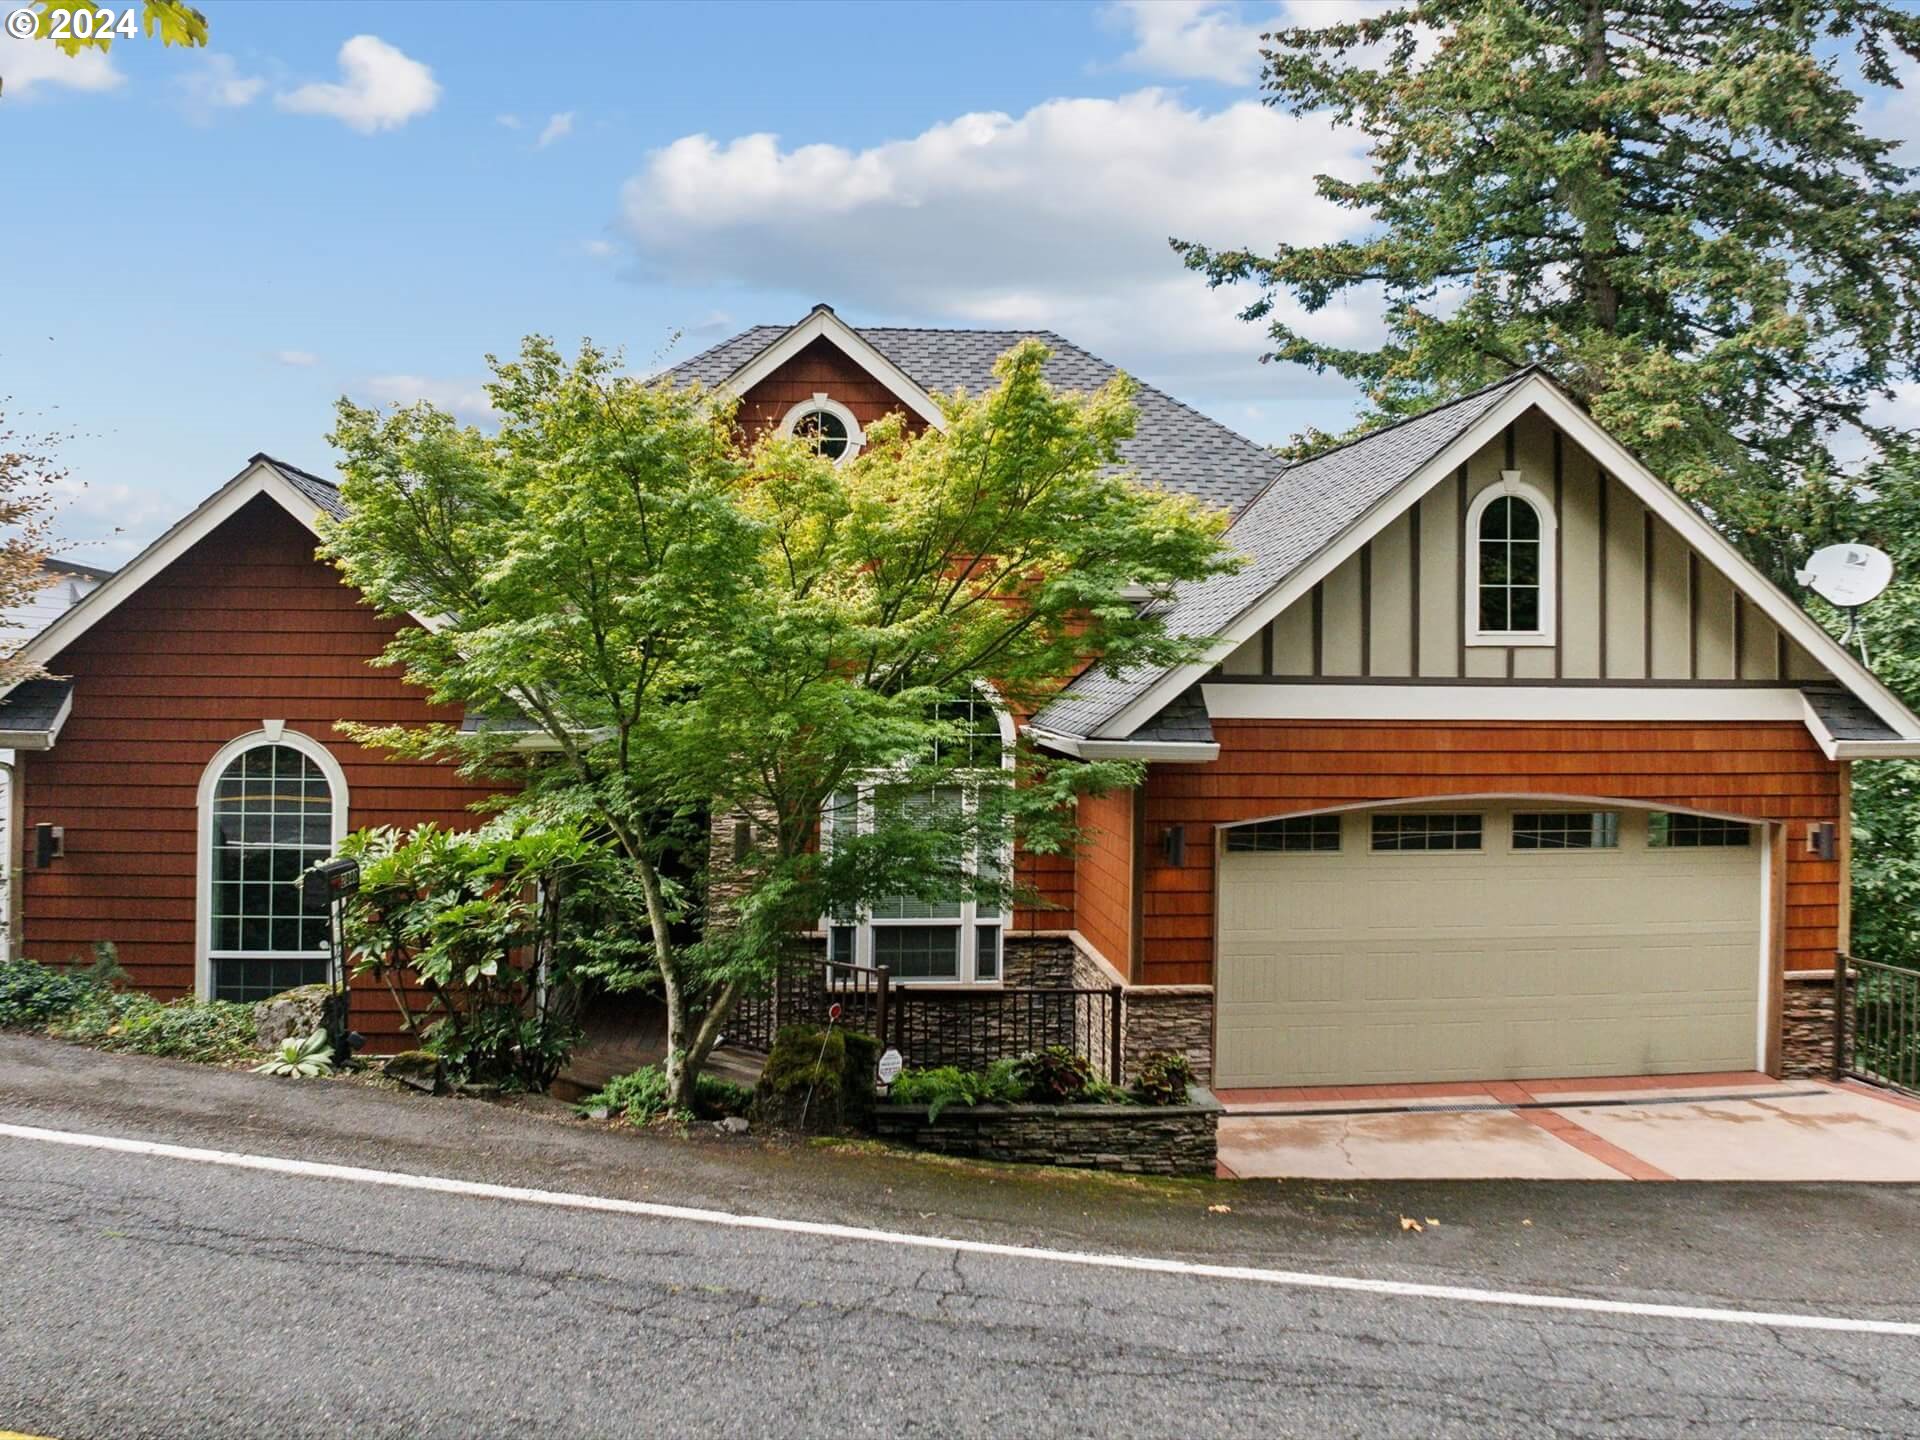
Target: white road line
{"points": [[1297, 1279]]}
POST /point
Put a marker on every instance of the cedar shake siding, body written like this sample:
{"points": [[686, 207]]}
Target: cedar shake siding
{"points": [[1103, 891], [820, 369], [246, 626], [1767, 770]]}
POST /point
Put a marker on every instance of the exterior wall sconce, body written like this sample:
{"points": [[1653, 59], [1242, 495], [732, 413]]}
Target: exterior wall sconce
{"points": [[1173, 845], [1823, 840], [49, 844]]}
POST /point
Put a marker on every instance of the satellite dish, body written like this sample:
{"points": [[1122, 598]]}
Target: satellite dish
{"points": [[1848, 575]]}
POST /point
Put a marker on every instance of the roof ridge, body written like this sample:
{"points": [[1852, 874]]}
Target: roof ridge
{"points": [[280, 464]]}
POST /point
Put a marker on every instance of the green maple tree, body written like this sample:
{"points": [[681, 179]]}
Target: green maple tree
{"points": [[1674, 204]]}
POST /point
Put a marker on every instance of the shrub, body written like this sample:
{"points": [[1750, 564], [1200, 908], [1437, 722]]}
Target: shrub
{"points": [[209, 1031], [1163, 1079], [34, 995], [641, 1095], [1055, 1075], [817, 1080], [945, 1085], [299, 1059]]}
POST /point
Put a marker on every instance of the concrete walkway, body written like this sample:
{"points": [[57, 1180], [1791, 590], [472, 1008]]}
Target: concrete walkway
{"points": [[1689, 1127]]}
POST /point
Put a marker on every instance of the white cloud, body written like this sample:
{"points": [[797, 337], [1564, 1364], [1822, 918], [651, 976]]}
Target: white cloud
{"points": [[1057, 218], [381, 88], [300, 359], [29, 65], [1193, 39], [216, 84], [511, 122], [464, 398], [557, 128], [600, 249], [108, 523]]}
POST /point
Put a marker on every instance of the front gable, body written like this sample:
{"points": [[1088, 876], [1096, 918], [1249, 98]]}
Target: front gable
{"points": [[1629, 600]]}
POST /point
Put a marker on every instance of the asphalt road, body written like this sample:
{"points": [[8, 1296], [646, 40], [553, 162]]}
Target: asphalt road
{"points": [[151, 1296]]}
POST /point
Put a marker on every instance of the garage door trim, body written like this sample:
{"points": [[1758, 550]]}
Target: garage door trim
{"points": [[1768, 843]]}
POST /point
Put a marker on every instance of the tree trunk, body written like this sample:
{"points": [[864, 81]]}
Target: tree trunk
{"points": [[674, 1066], [1599, 242]]}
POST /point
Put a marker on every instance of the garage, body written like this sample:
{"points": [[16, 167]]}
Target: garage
{"points": [[1487, 940]]}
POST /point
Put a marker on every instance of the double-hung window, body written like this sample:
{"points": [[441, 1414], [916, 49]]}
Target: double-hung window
{"points": [[955, 940]]}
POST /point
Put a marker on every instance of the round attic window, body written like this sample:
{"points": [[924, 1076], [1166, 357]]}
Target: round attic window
{"points": [[828, 424]]}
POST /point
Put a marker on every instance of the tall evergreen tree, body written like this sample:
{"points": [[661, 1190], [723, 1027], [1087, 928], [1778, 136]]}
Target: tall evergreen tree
{"points": [[1672, 203]]}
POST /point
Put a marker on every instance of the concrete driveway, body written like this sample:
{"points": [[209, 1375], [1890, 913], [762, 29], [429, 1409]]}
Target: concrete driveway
{"points": [[1689, 1127]]}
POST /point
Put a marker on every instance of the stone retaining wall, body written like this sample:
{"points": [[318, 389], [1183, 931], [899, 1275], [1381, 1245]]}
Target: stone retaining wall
{"points": [[1169, 1017], [1138, 1139]]}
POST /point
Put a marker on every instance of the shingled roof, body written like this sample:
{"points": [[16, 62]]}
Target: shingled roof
{"points": [[1303, 511], [323, 493], [1173, 445]]}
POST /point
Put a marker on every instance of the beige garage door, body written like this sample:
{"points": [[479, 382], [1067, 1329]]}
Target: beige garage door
{"points": [[1487, 942]]}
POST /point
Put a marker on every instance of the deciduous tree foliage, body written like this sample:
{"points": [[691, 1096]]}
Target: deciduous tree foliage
{"points": [[698, 625], [1672, 203], [30, 470]]}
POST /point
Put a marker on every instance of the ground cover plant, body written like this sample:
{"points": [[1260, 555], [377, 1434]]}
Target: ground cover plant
{"points": [[640, 1097], [79, 1003]]}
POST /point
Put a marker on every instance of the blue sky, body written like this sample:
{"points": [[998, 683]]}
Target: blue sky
{"points": [[368, 198]]}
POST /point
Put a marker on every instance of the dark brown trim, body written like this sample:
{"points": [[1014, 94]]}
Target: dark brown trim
{"points": [[1693, 615], [1559, 559], [1739, 635], [1780, 666], [1137, 924], [1603, 485], [1366, 609], [1646, 593], [1509, 438], [1319, 621], [1413, 583], [1266, 646], [1460, 599]]}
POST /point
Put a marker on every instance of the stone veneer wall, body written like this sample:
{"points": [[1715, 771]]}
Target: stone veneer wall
{"points": [[1169, 1017], [1806, 1040], [1140, 1139]]}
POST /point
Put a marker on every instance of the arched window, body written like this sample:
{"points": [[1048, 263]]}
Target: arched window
{"points": [[831, 426], [271, 804], [1510, 562]]}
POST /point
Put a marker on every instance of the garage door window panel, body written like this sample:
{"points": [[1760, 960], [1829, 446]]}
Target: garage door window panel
{"points": [[1695, 832], [1450, 833], [1296, 835], [1566, 830]]}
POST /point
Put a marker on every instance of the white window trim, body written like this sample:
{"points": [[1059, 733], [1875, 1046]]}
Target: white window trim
{"points": [[1511, 485], [856, 437], [272, 732], [972, 914]]}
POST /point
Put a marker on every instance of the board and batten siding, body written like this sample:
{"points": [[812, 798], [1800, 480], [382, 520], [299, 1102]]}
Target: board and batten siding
{"points": [[1634, 601], [246, 626], [1766, 770]]}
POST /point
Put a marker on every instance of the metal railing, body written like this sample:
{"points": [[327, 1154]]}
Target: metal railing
{"points": [[1876, 1023], [930, 1026]]}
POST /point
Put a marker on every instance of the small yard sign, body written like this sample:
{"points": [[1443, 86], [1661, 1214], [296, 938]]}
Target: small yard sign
{"points": [[890, 1066]]}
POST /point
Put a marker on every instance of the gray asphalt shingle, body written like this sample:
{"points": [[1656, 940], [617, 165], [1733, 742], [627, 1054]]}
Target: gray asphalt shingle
{"points": [[1845, 715], [34, 705], [324, 493], [1174, 445]]}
